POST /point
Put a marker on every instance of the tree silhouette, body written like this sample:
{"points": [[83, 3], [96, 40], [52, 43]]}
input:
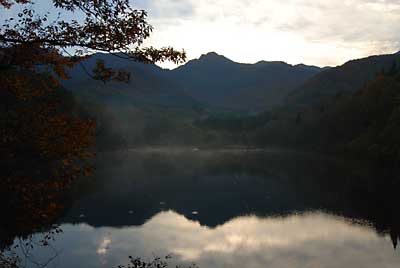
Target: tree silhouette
{"points": [[111, 26], [45, 138]]}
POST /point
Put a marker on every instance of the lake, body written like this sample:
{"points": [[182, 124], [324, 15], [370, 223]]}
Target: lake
{"points": [[226, 208]]}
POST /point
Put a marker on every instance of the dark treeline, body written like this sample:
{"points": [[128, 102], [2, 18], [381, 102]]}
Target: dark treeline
{"points": [[356, 115], [361, 124]]}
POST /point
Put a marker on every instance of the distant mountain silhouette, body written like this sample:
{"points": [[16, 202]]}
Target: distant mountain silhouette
{"points": [[212, 80], [147, 85], [344, 79], [220, 82]]}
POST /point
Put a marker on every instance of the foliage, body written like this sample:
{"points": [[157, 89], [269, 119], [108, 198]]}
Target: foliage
{"points": [[45, 141], [361, 124], [364, 124], [346, 79], [108, 25]]}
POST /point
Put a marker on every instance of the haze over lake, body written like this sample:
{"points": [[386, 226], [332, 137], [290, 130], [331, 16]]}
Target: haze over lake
{"points": [[199, 134], [222, 208]]}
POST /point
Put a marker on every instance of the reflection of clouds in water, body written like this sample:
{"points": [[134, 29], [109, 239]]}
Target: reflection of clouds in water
{"points": [[297, 241], [103, 248], [306, 240]]}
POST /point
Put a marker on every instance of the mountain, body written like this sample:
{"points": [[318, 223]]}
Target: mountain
{"points": [[221, 82], [364, 124], [352, 109], [367, 123], [147, 85], [140, 112], [325, 112], [212, 81], [344, 79]]}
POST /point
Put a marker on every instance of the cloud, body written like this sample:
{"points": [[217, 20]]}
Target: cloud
{"points": [[165, 9], [321, 32]]}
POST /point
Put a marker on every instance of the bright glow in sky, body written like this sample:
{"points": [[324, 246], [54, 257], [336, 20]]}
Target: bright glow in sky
{"points": [[315, 32], [318, 32]]}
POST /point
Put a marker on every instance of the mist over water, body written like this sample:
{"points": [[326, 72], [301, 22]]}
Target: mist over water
{"points": [[109, 160], [224, 208]]}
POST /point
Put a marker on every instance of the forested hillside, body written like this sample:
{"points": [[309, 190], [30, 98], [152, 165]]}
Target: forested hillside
{"points": [[351, 109], [160, 107], [364, 121], [363, 124], [342, 80]]}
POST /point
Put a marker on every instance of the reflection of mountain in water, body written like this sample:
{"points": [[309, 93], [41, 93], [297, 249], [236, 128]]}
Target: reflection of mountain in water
{"points": [[214, 187], [312, 239]]}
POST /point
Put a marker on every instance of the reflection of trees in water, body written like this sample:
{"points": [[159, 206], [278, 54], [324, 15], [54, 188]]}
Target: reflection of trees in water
{"points": [[299, 182], [395, 236], [18, 243], [32, 207], [20, 253], [357, 190], [223, 186], [157, 262]]}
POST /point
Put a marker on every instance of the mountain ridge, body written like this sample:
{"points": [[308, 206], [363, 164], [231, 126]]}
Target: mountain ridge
{"points": [[343, 79], [216, 82], [213, 80], [221, 82]]}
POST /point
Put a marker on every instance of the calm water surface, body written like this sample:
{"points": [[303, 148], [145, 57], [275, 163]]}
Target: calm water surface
{"points": [[226, 209]]}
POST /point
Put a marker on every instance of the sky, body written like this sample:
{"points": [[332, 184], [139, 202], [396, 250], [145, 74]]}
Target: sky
{"points": [[314, 32]]}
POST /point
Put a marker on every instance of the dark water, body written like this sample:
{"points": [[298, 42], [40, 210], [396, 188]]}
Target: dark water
{"points": [[227, 209]]}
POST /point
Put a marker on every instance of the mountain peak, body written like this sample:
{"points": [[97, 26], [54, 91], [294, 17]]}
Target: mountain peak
{"points": [[263, 62], [213, 56]]}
